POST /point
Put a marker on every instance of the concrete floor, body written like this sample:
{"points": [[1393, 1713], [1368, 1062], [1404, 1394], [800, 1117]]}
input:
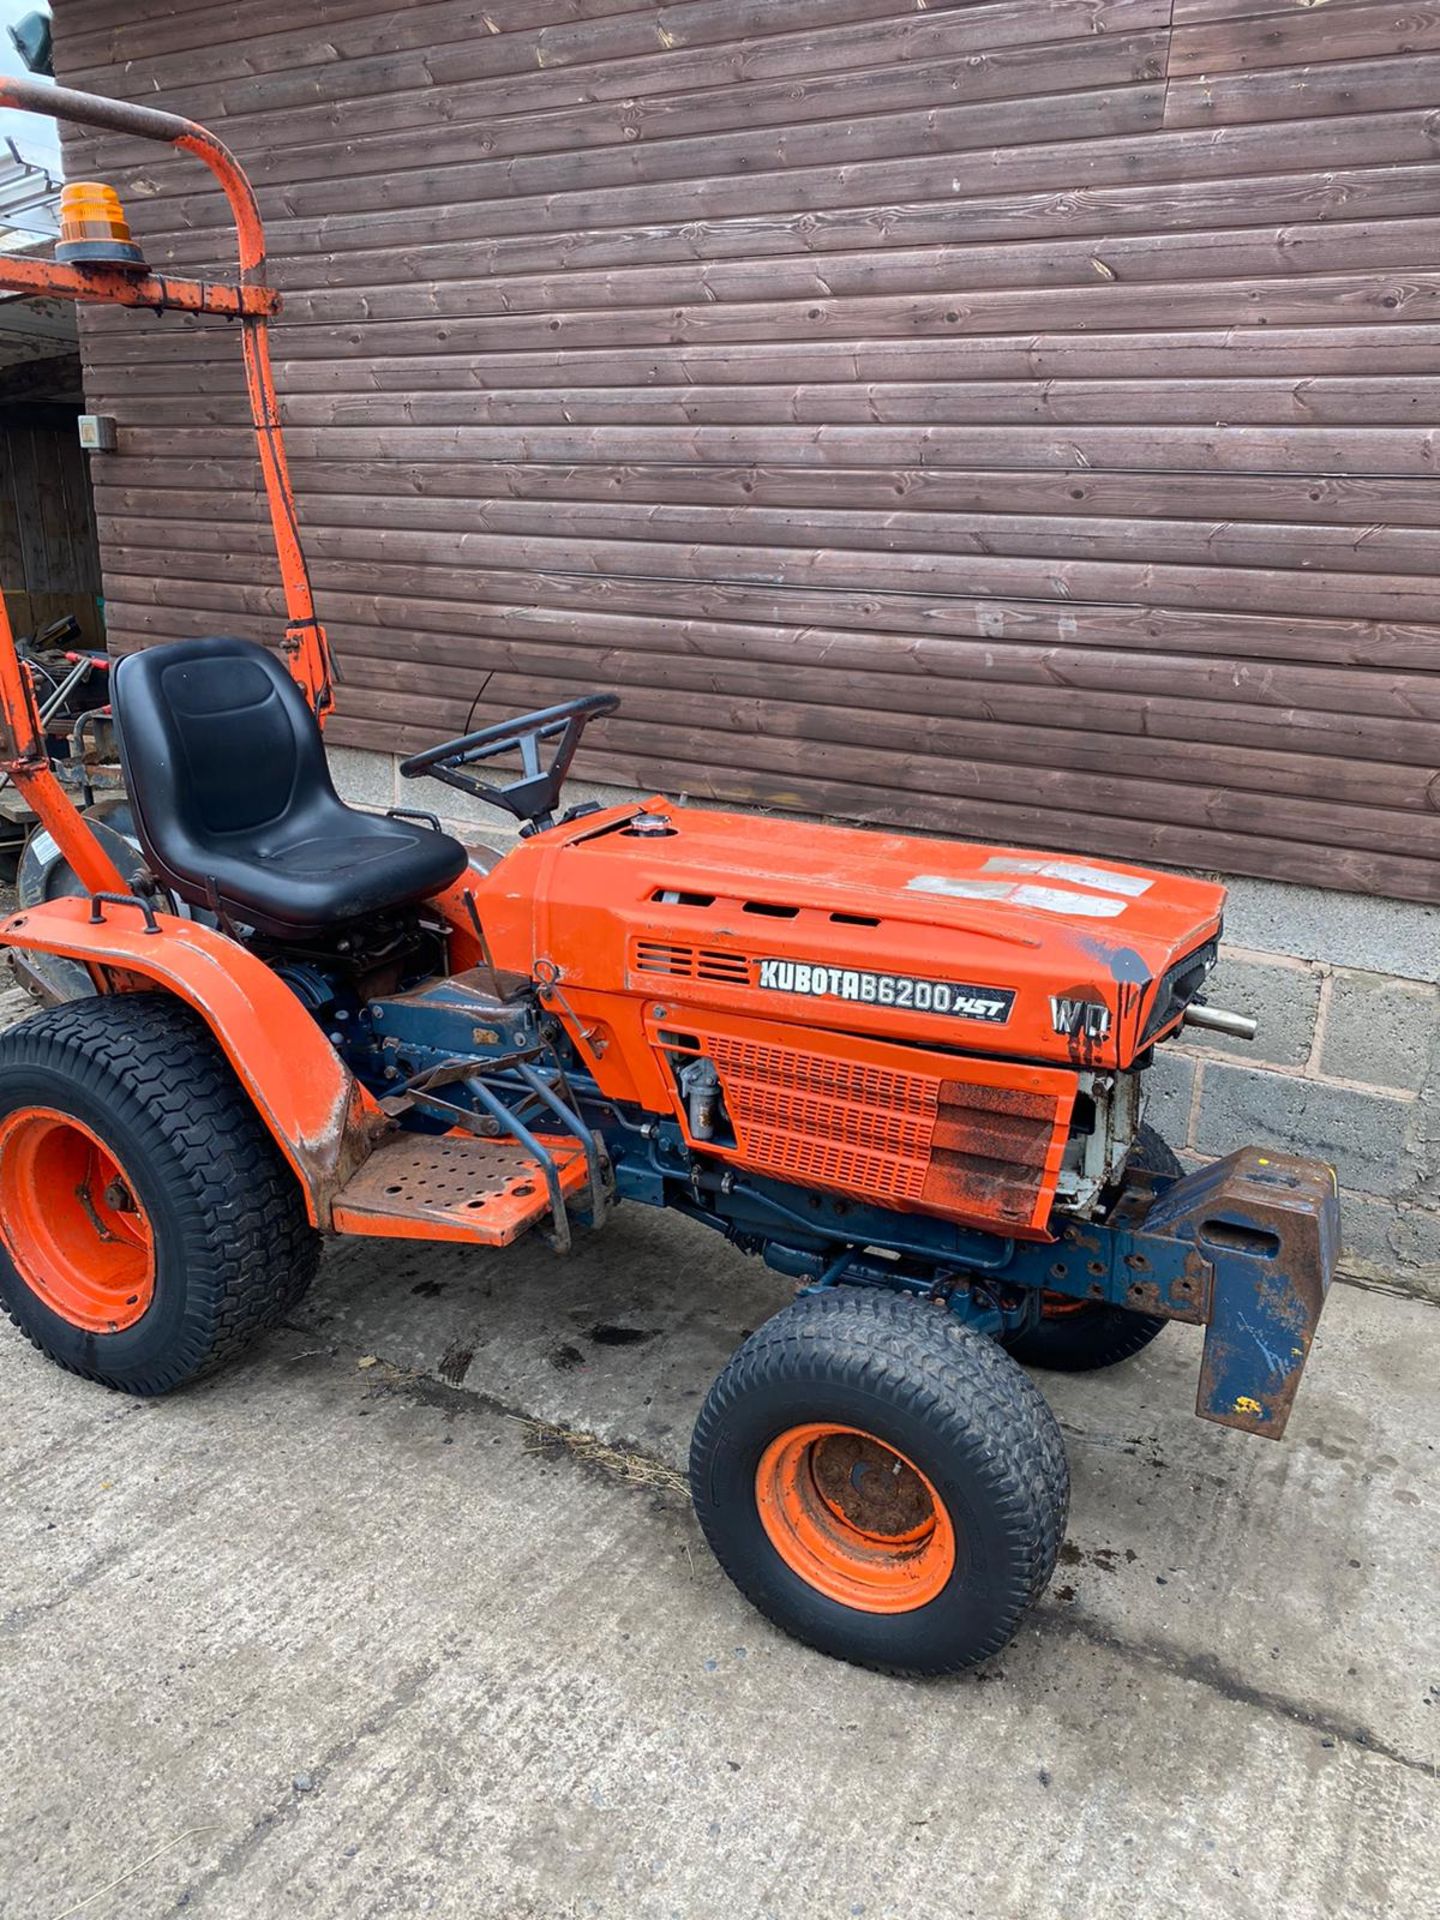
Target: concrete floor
{"points": [[333, 1635]]}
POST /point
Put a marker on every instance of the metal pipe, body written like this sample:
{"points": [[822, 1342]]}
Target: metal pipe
{"points": [[1239, 1026], [306, 645]]}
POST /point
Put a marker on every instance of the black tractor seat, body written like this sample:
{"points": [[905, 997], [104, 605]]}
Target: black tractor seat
{"points": [[234, 803]]}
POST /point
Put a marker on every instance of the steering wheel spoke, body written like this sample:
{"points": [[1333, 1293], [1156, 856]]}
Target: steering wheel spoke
{"points": [[532, 797]]}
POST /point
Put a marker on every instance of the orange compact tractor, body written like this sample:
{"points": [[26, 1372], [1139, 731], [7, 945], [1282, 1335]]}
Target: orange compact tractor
{"points": [[908, 1074]]}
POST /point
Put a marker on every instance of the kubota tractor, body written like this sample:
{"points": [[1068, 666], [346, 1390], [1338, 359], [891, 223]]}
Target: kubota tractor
{"points": [[908, 1074]]}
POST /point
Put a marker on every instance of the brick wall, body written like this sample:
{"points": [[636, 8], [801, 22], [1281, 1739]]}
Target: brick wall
{"points": [[1346, 1064]]}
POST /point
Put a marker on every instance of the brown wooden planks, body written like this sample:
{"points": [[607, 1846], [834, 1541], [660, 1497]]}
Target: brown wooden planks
{"points": [[916, 412], [1242, 41], [47, 528], [804, 207], [1366, 400], [1350, 524], [146, 363], [1146, 448], [654, 507], [1060, 688]]}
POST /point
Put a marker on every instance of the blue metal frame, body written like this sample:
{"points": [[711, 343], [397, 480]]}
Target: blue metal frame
{"points": [[1245, 1247]]}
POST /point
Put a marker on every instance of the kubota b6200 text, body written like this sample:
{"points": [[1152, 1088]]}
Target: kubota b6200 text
{"points": [[908, 1074]]}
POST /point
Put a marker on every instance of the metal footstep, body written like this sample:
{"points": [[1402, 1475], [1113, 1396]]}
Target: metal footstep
{"points": [[454, 1187]]}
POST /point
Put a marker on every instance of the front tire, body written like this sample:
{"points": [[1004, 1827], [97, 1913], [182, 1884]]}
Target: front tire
{"points": [[149, 1227], [880, 1482]]}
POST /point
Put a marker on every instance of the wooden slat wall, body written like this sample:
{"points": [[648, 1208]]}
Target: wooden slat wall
{"points": [[1016, 419]]}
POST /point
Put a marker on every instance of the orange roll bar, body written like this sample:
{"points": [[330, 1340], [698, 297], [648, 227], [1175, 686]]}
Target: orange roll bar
{"points": [[252, 302]]}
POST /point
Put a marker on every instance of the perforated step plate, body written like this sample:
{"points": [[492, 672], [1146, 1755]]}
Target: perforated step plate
{"points": [[418, 1186]]}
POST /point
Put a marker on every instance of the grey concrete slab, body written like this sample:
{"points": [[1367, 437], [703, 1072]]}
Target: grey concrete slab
{"points": [[510, 1686], [364, 779], [1179, 1529]]}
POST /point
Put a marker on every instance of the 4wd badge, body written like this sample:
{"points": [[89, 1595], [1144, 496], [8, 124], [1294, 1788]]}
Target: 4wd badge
{"points": [[897, 990], [1079, 1019]]}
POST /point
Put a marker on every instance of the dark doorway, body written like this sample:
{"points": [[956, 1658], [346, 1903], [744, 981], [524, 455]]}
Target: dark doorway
{"points": [[49, 555]]}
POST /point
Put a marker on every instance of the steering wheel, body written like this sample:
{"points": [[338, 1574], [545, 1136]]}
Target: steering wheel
{"points": [[531, 798]]}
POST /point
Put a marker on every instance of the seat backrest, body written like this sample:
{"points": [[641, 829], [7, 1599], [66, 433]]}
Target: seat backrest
{"points": [[216, 739]]}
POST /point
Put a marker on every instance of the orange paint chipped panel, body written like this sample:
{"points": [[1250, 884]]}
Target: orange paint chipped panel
{"points": [[937, 943], [321, 1117]]}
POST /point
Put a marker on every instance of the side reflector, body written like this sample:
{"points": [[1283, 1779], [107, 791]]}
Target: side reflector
{"points": [[93, 228]]}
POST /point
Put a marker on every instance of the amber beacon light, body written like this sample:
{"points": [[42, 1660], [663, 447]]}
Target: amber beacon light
{"points": [[93, 228]]}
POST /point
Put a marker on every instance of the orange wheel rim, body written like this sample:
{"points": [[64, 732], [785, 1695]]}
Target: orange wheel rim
{"points": [[854, 1518], [71, 1222]]}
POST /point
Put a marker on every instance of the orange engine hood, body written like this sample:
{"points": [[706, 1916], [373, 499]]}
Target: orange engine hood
{"points": [[981, 949]]}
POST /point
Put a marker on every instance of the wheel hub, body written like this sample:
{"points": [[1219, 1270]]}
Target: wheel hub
{"points": [[854, 1518], [71, 1223], [870, 1488]]}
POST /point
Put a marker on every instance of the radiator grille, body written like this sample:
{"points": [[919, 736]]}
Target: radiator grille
{"points": [[944, 1146], [829, 1122], [691, 963]]}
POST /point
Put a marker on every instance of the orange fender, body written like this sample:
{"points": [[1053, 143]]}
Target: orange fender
{"points": [[323, 1120]]}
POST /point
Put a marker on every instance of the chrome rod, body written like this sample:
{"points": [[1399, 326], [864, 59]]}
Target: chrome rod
{"points": [[1240, 1026]]}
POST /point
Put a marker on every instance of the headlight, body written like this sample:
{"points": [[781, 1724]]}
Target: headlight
{"points": [[1178, 988]]}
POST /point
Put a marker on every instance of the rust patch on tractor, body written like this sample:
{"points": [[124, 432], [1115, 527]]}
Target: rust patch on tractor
{"points": [[1187, 1298], [870, 1485], [989, 1151], [1267, 1226]]}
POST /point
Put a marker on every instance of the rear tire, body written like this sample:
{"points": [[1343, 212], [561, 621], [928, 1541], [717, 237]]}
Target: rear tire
{"points": [[880, 1482], [149, 1226], [1078, 1336]]}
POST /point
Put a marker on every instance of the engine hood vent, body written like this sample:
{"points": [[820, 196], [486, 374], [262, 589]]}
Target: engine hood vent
{"points": [[692, 963]]}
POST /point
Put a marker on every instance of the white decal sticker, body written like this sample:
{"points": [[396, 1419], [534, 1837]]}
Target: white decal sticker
{"points": [[1132, 885], [1090, 906], [961, 889]]}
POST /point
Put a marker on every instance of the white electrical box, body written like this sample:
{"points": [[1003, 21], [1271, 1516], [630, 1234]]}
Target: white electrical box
{"points": [[97, 432]]}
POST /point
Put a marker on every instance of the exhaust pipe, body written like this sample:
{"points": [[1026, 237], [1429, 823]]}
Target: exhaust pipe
{"points": [[1239, 1026]]}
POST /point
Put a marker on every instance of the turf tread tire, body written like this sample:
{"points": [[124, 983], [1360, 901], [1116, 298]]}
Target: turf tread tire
{"points": [[925, 1375], [241, 1244]]}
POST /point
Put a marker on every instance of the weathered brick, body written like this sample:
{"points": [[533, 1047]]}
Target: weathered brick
{"points": [[1398, 937], [1169, 1086], [1424, 1135], [1361, 1134], [1379, 1029], [1395, 1246], [1283, 999], [1415, 1238], [1366, 1229]]}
